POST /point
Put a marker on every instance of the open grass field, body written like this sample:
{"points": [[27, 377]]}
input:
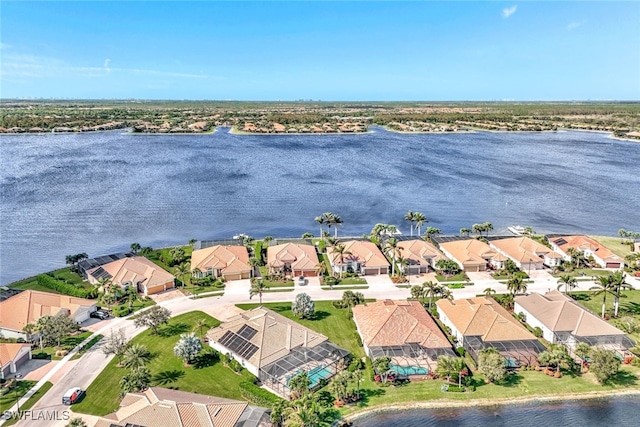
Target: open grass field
{"points": [[207, 376], [586, 273], [30, 402], [615, 244]]}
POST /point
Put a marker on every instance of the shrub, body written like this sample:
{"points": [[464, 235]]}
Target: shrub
{"points": [[356, 365], [461, 351], [537, 331], [455, 389], [49, 282], [257, 395], [235, 366]]}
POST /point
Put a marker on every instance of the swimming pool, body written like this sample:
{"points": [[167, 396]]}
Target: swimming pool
{"points": [[409, 370], [315, 375]]}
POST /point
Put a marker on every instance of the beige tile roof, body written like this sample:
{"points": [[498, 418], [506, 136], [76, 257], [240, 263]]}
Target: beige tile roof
{"points": [[160, 407], [229, 259], [301, 257], [524, 249], [417, 252], [484, 317], [561, 313], [9, 351], [388, 323], [275, 334], [470, 252], [134, 270], [583, 243], [28, 306], [362, 251]]}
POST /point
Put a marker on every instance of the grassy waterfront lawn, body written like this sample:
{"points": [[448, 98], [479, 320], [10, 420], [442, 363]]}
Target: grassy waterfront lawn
{"points": [[167, 370], [63, 274], [629, 306], [614, 244]]}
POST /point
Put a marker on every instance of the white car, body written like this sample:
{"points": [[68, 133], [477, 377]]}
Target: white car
{"points": [[302, 281]]}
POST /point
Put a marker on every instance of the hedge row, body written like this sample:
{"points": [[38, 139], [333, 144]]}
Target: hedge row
{"points": [[257, 395], [62, 287]]}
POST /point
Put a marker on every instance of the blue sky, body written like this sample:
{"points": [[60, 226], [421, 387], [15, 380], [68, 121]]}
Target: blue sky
{"points": [[321, 50]]}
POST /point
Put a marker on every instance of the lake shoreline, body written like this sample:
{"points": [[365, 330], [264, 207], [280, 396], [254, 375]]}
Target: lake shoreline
{"points": [[441, 404]]}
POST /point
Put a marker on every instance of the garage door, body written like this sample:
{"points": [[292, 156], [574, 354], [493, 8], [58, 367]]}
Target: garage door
{"points": [[22, 359], [371, 271], [233, 276], [613, 265]]}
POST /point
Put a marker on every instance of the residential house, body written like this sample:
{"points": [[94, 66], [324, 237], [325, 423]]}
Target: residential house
{"points": [[527, 253], [404, 331], [481, 322], [420, 255], [28, 306], [293, 259], [473, 255], [12, 356], [148, 278], [601, 254], [89, 264], [274, 349], [562, 320], [361, 256], [164, 407], [230, 262]]}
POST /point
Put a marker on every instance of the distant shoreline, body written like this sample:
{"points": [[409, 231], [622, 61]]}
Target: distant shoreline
{"points": [[441, 404]]}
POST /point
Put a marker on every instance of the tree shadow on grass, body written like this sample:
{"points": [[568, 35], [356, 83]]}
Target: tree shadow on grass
{"points": [[206, 359], [281, 308], [581, 296], [173, 329], [629, 308], [511, 380], [320, 315], [367, 393], [624, 378], [166, 377]]}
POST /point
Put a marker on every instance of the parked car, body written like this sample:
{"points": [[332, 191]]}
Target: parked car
{"points": [[302, 281], [72, 396], [99, 314]]}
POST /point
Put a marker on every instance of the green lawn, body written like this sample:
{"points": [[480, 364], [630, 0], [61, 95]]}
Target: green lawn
{"points": [[162, 257], [68, 344], [460, 277], [586, 273], [629, 305], [330, 321], [63, 274], [31, 401], [167, 370], [352, 281], [614, 244], [9, 399]]}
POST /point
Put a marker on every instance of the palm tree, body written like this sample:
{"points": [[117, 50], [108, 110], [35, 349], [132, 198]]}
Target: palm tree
{"points": [[76, 422], [200, 325], [267, 240], [431, 232], [410, 216], [488, 292], [431, 290], [605, 286], [446, 293], [404, 263], [420, 220], [136, 356], [465, 231], [339, 252], [478, 229], [320, 220], [181, 271], [257, 288], [392, 247], [336, 222], [487, 226], [321, 269], [568, 281], [619, 283], [516, 285], [135, 248]]}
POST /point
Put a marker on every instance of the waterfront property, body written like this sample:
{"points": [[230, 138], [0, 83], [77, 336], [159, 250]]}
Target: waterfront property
{"points": [[420, 256], [228, 262], [473, 255], [526, 253], [28, 306], [158, 406], [360, 256], [291, 259], [604, 257], [12, 356], [481, 322], [404, 331], [147, 277], [275, 349], [89, 264], [563, 321]]}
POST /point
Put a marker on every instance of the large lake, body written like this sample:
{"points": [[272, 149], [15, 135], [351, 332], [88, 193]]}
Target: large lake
{"points": [[99, 192], [618, 411]]}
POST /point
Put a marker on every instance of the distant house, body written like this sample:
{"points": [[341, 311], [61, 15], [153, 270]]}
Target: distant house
{"points": [[12, 356], [404, 331], [527, 253], [591, 248], [275, 349], [564, 321], [481, 322], [293, 259], [229, 262], [148, 278], [158, 406], [420, 255], [364, 258], [28, 306], [89, 264], [473, 255]]}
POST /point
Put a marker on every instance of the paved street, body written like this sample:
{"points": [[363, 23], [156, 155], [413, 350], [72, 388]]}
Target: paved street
{"points": [[223, 307]]}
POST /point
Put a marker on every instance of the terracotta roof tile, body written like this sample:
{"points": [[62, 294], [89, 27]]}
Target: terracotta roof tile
{"points": [[229, 259], [362, 251], [9, 351], [301, 257]]}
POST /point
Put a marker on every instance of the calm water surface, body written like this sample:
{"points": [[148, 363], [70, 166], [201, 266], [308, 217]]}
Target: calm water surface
{"points": [[98, 193], [619, 411]]}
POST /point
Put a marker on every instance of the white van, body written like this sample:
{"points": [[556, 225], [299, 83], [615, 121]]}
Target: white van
{"points": [[72, 396]]}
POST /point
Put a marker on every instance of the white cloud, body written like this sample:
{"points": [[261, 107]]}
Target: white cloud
{"points": [[573, 25], [508, 11], [106, 65]]}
